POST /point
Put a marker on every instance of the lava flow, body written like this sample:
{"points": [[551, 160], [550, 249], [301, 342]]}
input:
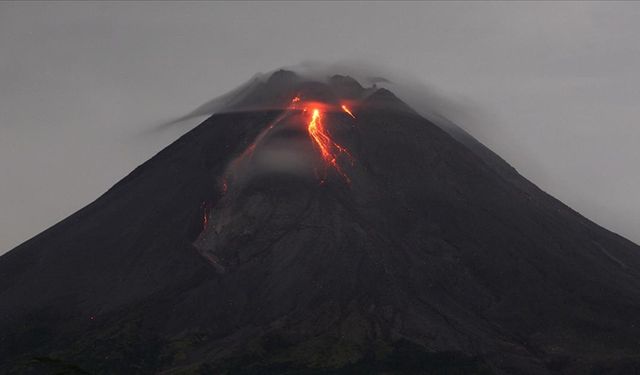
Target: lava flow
{"points": [[329, 150], [347, 110]]}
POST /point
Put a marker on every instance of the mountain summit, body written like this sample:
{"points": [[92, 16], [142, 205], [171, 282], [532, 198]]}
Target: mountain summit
{"points": [[322, 227]]}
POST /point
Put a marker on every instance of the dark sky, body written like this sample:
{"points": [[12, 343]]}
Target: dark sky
{"points": [[552, 87]]}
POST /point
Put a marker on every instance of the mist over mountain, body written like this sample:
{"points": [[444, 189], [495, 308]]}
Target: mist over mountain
{"points": [[321, 225]]}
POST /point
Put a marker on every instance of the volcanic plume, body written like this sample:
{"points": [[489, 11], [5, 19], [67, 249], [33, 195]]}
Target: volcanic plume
{"points": [[319, 226]]}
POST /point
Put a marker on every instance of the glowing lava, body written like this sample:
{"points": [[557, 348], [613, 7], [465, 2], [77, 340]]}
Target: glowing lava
{"points": [[205, 215], [347, 110], [329, 150]]}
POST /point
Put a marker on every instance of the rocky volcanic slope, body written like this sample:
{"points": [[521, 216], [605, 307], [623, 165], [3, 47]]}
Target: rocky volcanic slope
{"points": [[431, 259]]}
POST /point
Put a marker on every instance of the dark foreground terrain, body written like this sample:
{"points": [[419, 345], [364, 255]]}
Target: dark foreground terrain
{"points": [[223, 254]]}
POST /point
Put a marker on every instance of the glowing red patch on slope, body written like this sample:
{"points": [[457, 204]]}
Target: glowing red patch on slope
{"points": [[330, 151], [347, 110]]}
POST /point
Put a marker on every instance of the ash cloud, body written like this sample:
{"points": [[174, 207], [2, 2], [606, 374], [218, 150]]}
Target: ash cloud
{"points": [[445, 111], [429, 101]]}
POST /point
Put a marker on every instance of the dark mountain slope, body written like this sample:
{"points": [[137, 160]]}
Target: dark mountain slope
{"points": [[428, 260]]}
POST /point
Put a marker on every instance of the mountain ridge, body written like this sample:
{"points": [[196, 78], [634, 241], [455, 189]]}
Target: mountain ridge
{"points": [[428, 258]]}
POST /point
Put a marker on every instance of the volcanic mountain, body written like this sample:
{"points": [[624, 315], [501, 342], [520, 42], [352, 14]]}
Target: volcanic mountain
{"points": [[322, 227]]}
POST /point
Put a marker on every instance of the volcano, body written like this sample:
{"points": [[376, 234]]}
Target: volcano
{"points": [[322, 227]]}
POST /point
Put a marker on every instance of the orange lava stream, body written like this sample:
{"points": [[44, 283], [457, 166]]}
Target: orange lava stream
{"points": [[329, 150], [347, 110]]}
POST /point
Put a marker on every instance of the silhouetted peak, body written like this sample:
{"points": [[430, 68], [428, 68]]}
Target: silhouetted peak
{"points": [[283, 77], [346, 86]]}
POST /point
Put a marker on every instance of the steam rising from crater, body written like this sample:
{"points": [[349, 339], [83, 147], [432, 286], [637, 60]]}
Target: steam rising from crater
{"points": [[431, 102]]}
